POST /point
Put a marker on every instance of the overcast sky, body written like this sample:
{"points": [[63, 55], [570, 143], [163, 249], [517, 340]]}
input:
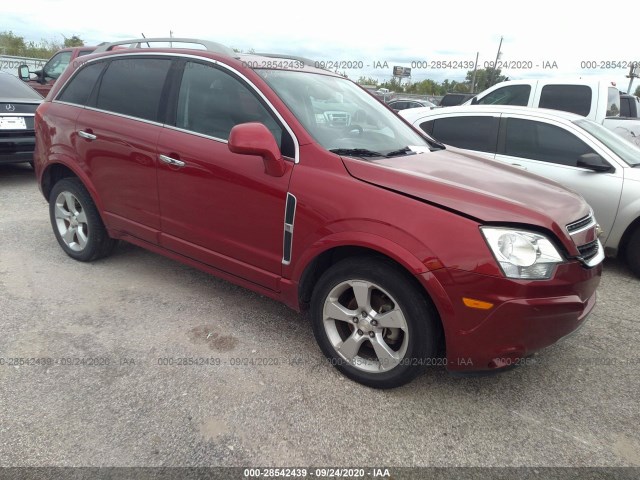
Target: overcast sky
{"points": [[329, 30]]}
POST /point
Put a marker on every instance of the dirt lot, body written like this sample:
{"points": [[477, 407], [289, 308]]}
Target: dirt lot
{"points": [[103, 395]]}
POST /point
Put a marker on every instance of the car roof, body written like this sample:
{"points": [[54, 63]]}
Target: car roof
{"points": [[417, 113], [20, 92], [211, 50]]}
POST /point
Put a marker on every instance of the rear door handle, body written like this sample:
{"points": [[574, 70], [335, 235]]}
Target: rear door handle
{"points": [[171, 161], [518, 165], [87, 135]]}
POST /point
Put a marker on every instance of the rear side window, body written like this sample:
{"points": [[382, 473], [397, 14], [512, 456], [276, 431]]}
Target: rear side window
{"points": [[568, 98], [474, 132], [133, 87], [510, 95], [544, 142], [79, 88]]}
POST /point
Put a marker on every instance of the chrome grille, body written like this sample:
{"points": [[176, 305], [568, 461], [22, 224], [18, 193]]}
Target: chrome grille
{"points": [[581, 224], [589, 250]]}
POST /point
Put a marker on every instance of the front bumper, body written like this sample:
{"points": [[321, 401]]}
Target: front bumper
{"points": [[526, 315]]}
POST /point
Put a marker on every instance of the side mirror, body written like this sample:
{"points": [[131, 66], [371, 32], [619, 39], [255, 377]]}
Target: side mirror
{"points": [[594, 162], [23, 73], [474, 101], [255, 139]]}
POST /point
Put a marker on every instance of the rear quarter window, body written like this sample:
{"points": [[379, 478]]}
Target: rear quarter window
{"points": [[133, 87], [79, 88]]}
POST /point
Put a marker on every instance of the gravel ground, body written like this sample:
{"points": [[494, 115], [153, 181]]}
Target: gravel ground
{"points": [[576, 405]]}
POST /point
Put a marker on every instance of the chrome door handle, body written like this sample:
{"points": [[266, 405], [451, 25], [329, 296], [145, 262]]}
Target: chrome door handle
{"points": [[172, 161], [87, 135]]}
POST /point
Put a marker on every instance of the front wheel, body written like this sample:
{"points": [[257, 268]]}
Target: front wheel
{"points": [[76, 222], [372, 322]]}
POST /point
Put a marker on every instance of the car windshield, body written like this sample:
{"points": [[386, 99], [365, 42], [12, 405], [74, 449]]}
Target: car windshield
{"points": [[13, 90], [626, 150], [342, 117]]}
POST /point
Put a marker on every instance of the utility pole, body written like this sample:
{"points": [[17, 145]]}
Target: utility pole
{"points": [[473, 78], [632, 74], [495, 65]]}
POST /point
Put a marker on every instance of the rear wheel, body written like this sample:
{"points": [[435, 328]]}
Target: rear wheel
{"points": [[77, 223], [633, 252], [372, 322]]}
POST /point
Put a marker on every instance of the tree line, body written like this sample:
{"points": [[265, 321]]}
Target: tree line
{"points": [[12, 44], [484, 78]]}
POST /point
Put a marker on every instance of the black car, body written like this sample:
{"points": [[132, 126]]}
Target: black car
{"points": [[18, 103]]}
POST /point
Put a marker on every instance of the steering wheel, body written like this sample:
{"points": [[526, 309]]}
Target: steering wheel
{"points": [[352, 130]]}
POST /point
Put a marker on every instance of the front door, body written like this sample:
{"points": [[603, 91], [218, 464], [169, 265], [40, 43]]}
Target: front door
{"points": [[216, 206]]}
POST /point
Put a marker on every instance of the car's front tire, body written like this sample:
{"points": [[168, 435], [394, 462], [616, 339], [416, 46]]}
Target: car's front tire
{"points": [[76, 222], [373, 323]]}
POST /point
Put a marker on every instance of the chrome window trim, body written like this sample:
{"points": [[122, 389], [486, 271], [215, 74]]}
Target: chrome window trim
{"points": [[270, 106]]}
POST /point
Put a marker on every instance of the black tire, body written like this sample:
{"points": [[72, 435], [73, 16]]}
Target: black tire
{"points": [[398, 288], [95, 242], [633, 252]]}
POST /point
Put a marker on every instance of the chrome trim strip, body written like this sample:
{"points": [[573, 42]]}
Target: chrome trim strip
{"points": [[296, 143], [288, 228], [596, 259], [122, 115], [2, 114]]}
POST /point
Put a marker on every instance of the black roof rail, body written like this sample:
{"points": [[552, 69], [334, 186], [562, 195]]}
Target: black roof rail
{"points": [[137, 43]]}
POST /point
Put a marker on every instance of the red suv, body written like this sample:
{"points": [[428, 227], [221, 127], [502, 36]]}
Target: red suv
{"points": [[296, 183]]}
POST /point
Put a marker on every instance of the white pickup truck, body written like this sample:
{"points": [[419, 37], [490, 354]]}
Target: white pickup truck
{"points": [[598, 100]]}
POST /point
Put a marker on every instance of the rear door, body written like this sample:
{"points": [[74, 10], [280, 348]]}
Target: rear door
{"points": [[219, 207], [551, 149], [116, 139]]}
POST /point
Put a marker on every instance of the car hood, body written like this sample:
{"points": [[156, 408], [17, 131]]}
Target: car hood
{"points": [[484, 189]]}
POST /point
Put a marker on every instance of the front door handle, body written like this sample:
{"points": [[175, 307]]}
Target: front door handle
{"points": [[171, 161], [87, 135], [518, 165]]}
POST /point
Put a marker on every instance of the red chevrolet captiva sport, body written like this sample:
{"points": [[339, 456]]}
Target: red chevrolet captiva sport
{"points": [[296, 183]]}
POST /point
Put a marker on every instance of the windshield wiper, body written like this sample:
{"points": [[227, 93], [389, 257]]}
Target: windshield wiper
{"points": [[402, 151], [357, 152]]}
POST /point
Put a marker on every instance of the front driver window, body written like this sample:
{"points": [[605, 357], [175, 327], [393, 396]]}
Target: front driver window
{"points": [[57, 64], [212, 102], [544, 142]]}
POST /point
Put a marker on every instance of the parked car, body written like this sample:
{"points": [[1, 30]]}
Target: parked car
{"points": [[597, 100], [451, 99], [404, 103], [18, 104], [565, 147], [296, 183], [42, 80]]}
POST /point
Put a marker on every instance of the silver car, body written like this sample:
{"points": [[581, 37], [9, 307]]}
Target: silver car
{"points": [[578, 153]]}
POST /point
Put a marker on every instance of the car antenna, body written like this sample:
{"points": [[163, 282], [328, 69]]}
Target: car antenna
{"points": [[145, 37]]}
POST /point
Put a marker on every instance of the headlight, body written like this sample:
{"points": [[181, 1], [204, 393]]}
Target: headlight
{"points": [[522, 254]]}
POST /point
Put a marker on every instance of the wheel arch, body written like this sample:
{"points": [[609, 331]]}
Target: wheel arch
{"points": [[325, 258], [56, 171]]}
